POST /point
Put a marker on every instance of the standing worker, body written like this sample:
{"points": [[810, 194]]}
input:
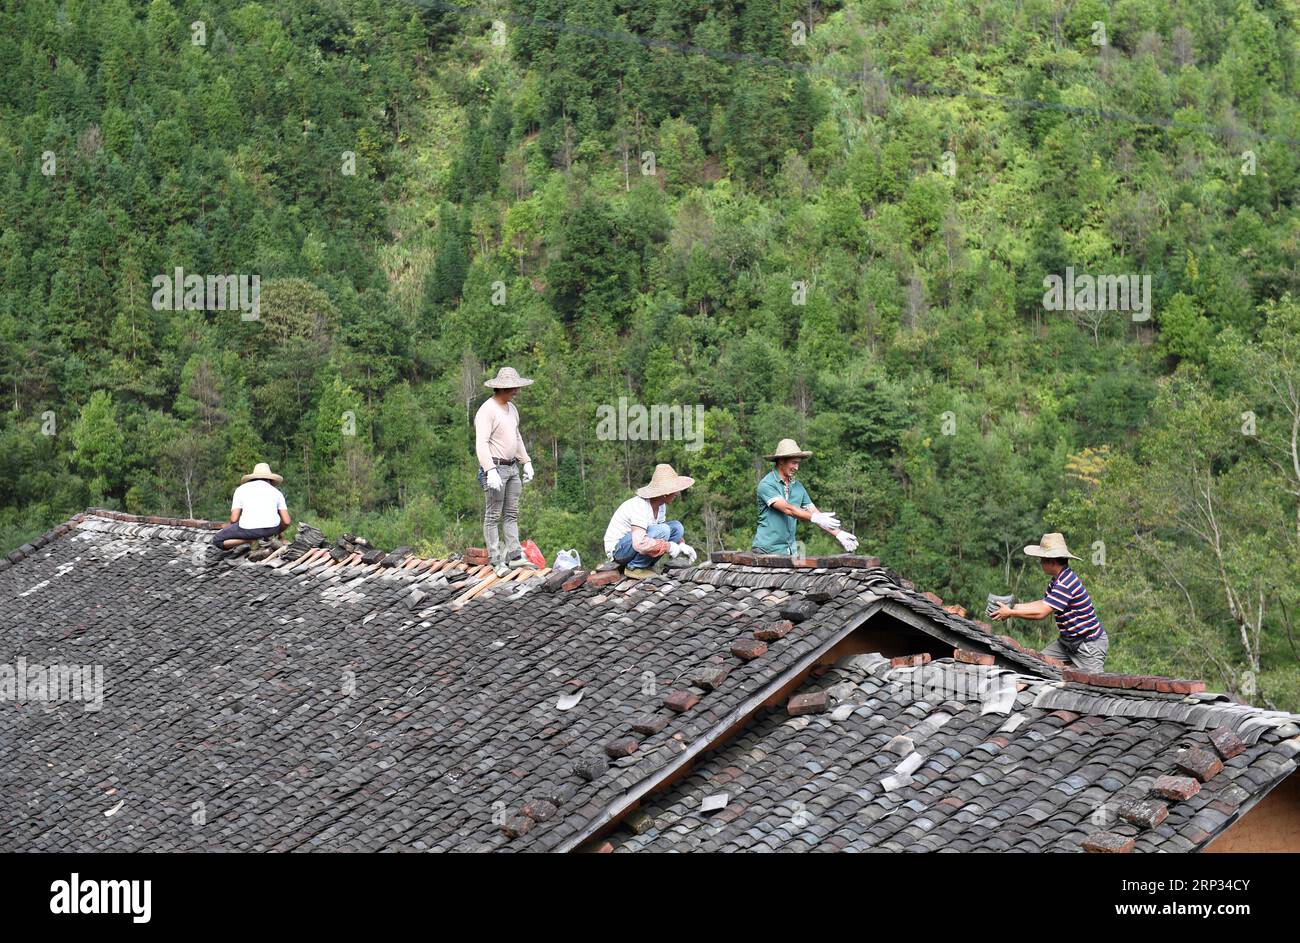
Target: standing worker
{"points": [[1082, 639], [504, 467], [783, 501]]}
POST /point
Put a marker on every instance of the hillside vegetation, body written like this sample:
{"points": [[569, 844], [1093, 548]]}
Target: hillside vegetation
{"points": [[843, 241]]}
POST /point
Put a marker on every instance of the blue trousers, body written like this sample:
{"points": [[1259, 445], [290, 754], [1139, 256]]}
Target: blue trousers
{"points": [[235, 532], [625, 556]]}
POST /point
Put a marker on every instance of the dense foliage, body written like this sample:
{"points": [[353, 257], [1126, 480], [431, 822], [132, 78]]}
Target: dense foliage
{"points": [[648, 217]]}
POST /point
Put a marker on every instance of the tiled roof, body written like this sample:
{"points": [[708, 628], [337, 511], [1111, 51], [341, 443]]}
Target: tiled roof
{"points": [[225, 686], [343, 698], [955, 757]]}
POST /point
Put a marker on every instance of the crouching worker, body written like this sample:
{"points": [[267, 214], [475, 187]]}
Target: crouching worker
{"points": [[1082, 640], [639, 535], [257, 510]]}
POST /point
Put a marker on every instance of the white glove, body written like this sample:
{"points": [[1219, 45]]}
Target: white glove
{"points": [[528, 472], [847, 541], [825, 520], [493, 480], [676, 549]]}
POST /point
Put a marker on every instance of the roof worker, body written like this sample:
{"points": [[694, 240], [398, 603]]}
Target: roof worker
{"points": [[783, 501], [504, 468], [1082, 639], [257, 511], [639, 535]]}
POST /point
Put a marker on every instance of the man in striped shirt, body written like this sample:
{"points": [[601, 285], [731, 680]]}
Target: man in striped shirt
{"points": [[1082, 640]]}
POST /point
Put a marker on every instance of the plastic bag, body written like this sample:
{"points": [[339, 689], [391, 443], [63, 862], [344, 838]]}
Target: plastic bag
{"points": [[568, 560], [533, 554]]}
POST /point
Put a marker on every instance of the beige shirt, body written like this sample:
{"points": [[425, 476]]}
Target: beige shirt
{"points": [[496, 434]]}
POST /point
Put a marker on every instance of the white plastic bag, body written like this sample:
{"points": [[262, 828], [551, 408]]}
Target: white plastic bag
{"points": [[567, 560]]}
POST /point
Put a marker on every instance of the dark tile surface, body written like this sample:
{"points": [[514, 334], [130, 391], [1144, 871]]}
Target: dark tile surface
{"points": [[894, 769]]}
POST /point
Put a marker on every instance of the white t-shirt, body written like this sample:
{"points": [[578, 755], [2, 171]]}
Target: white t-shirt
{"points": [[260, 502], [634, 512]]}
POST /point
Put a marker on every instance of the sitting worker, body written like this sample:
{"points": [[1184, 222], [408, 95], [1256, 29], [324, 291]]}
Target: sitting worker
{"points": [[1082, 640], [639, 536], [257, 511], [783, 501]]}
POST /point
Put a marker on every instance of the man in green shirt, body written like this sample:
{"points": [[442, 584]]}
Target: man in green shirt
{"points": [[783, 501]]}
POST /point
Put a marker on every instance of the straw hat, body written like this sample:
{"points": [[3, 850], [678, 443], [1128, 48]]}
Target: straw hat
{"points": [[787, 448], [507, 379], [664, 481], [263, 471], [1052, 545]]}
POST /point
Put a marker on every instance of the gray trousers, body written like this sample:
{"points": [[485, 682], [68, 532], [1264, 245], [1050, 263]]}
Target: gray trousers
{"points": [[501, 514], [1085, 656]]}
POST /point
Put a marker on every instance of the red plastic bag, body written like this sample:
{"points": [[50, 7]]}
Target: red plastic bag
{"points": [[533, 554]]}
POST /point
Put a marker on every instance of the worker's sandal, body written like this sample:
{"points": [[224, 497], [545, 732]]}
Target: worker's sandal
{"points": [[637, 573], [516, 562]]}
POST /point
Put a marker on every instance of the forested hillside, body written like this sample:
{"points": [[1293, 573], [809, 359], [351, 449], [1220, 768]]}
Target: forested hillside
{"points": [[842, 240]]}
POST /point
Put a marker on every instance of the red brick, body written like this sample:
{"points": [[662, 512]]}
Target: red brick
{"points": [[1199, 763], [985, 627], [851, 561], [813, 702], [623, 746], [539, 810], [681, 701], [517, 825], [934, 598], [1008, 641], [573, 582], [774, 630], [748, 648], [1176, 788], [1145, 814], [1108, 843], [1076, 677], [972, 658], [604, 579], [651, 724], [1226, 742], [1189, 687], [709, 676], [910, 661], [956, 610], [1052, 661], [742, 559]]}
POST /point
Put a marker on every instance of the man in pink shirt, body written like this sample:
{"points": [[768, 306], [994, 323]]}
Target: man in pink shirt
{"points": [[504, 468]]}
